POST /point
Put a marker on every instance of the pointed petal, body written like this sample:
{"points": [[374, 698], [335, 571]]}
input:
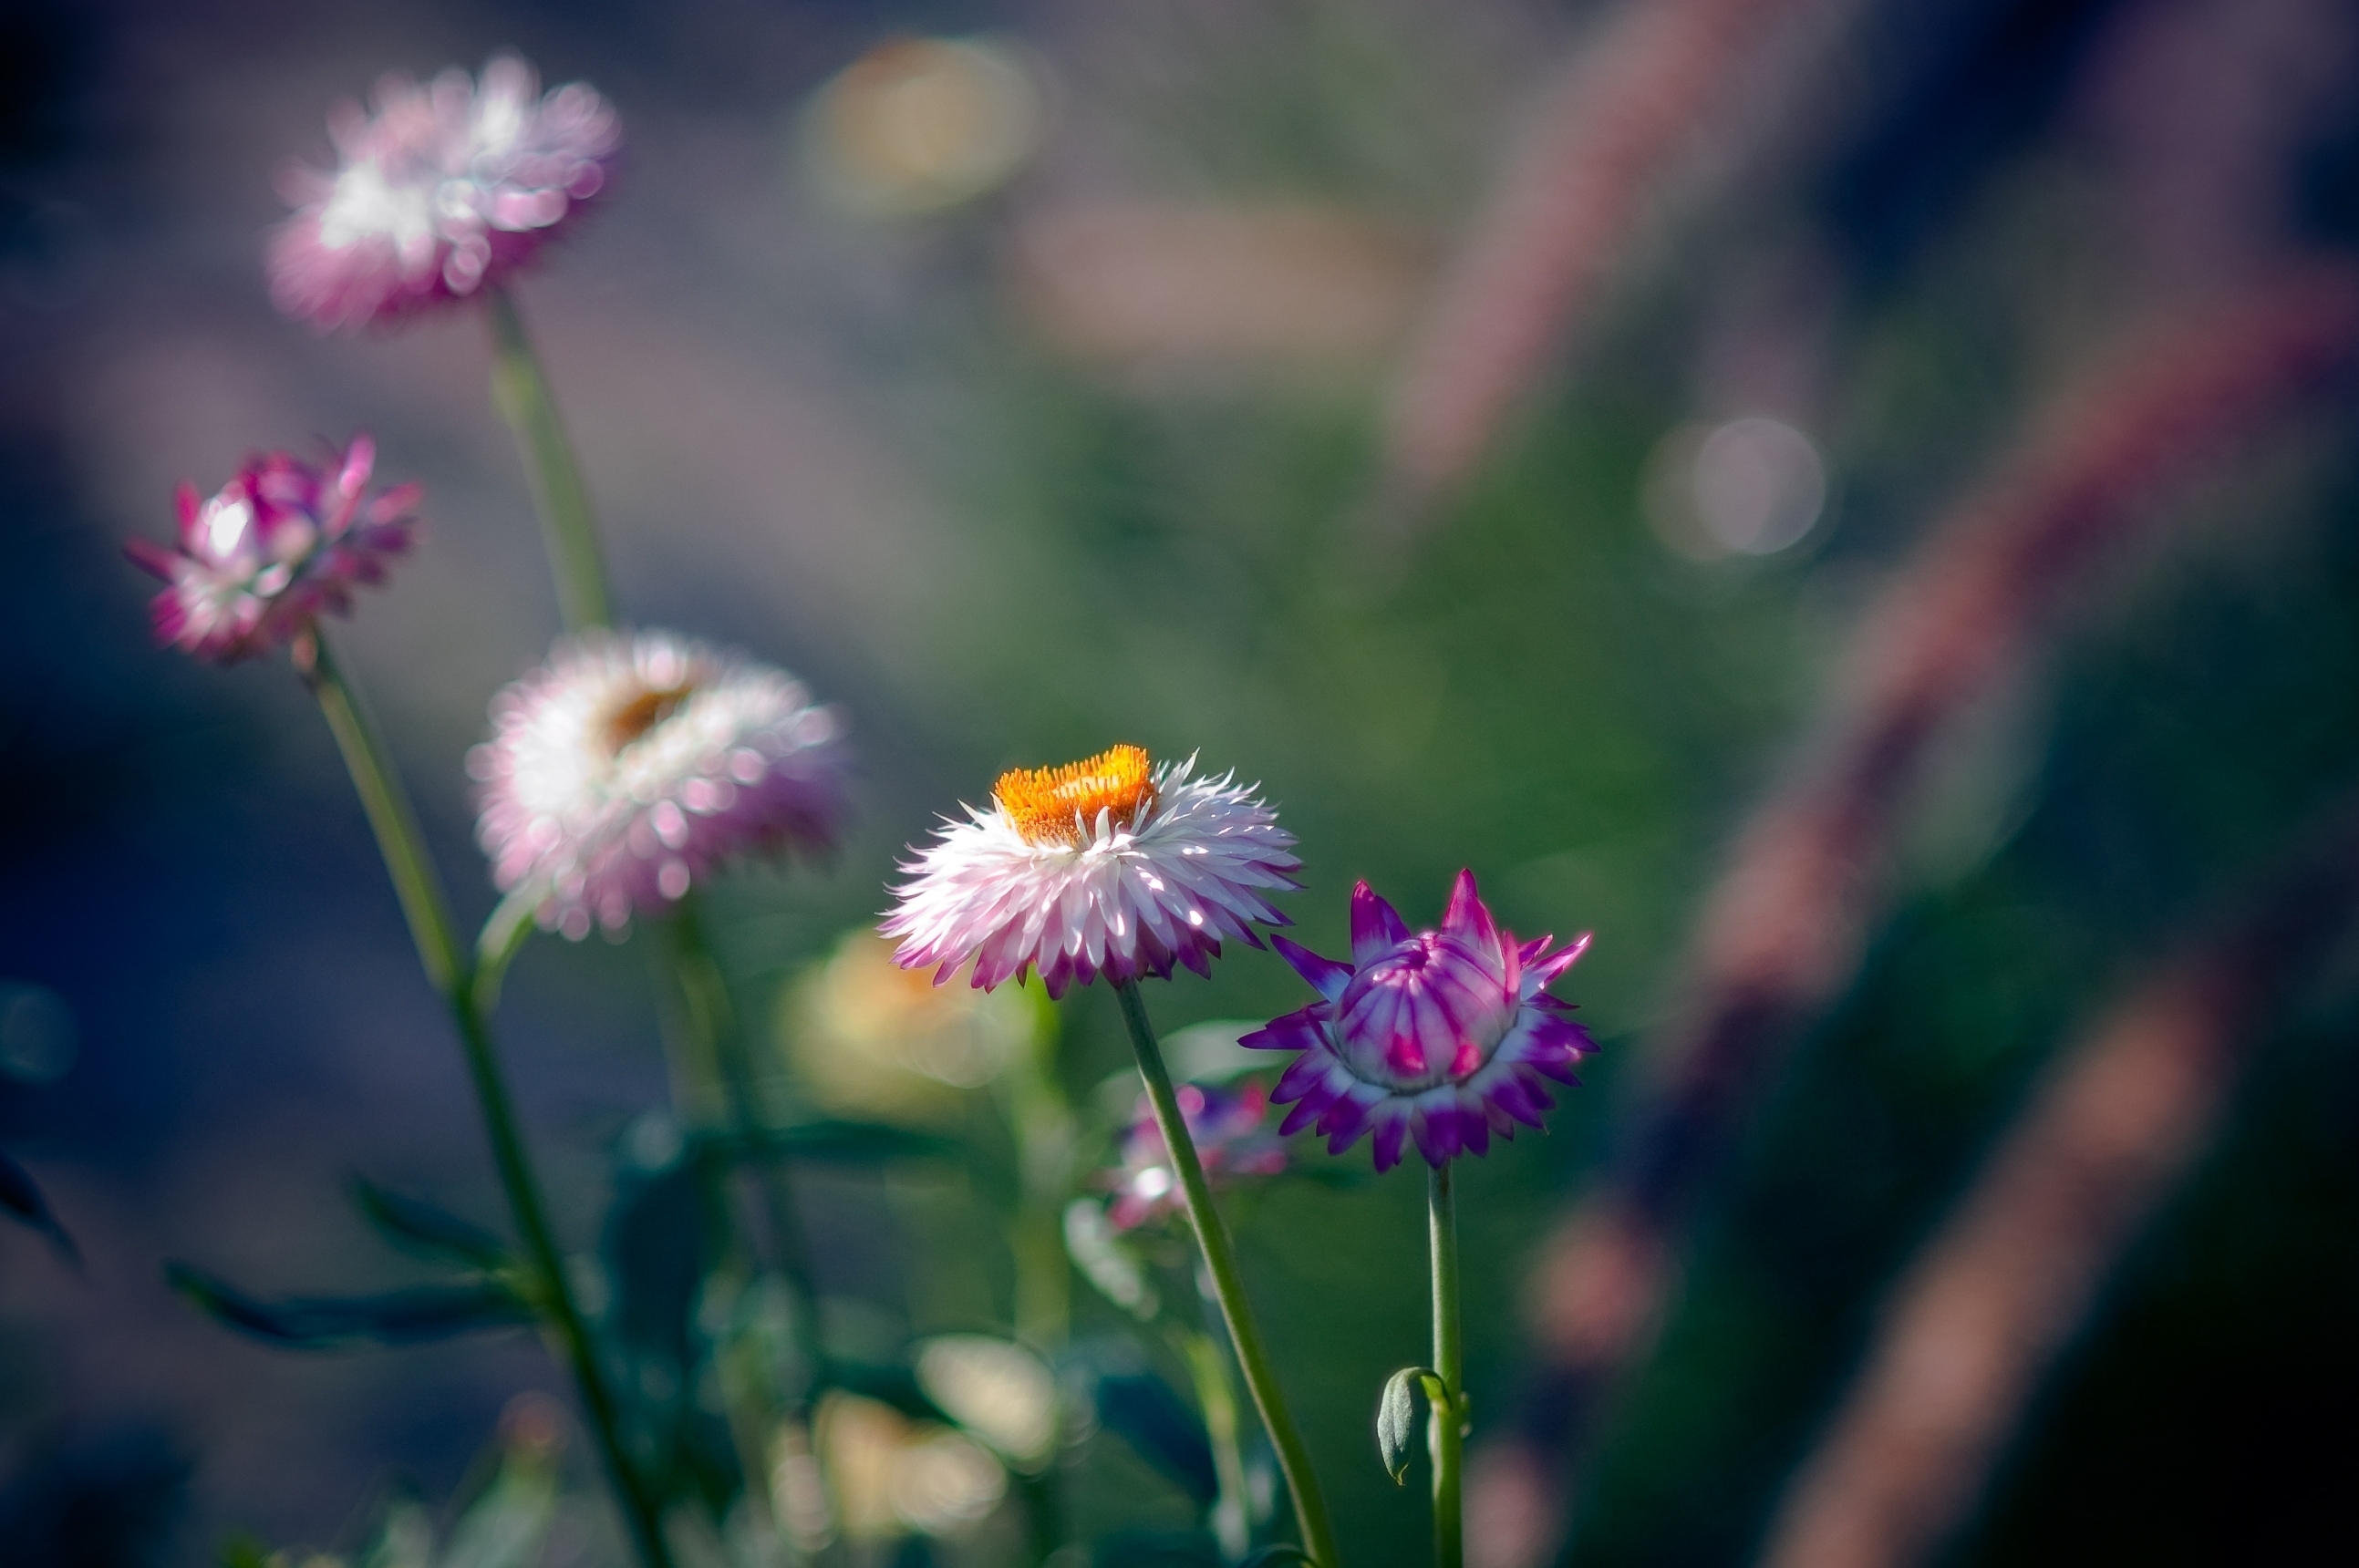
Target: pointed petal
{"points": [[1326, 976], [1377, 927]]}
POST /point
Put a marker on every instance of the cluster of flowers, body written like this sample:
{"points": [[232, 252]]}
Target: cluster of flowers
{"points": [[631, 765]]}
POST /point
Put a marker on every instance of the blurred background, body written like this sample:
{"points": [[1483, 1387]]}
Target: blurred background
{"points": [[1604, 444]]}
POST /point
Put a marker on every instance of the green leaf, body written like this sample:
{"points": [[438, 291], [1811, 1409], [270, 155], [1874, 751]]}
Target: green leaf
{"points": [[860, 1141], [1162, 1428], [1397, 1416], [21, 1196], [327, 1323], [890, 1384], [418, 1225], [1270, 1556]]}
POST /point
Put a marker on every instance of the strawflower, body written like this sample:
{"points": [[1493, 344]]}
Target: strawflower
{"points": [[629, 766], [1110, 866], [442, 190], [283, 542], [1227, 1127], [1445, 1036]]}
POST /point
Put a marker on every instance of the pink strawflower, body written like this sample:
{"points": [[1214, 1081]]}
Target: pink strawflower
{"points": [[1111, 865], [1225, 1126], [1447, 1036], [283, 542], [630, 765], [444, 189]]}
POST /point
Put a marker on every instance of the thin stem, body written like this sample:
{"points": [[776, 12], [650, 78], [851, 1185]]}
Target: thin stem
{"points": [[387, 806], [1040, 1124], [1446, 1431], [1252, 1359], [520, 392], [438, 950], [717, 1047]]}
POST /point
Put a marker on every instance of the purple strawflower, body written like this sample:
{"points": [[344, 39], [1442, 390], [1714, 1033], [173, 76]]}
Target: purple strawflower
{"points": [[283, 542], [1447, 1036], [1226, 1125], [442, 190], [629, 766]]}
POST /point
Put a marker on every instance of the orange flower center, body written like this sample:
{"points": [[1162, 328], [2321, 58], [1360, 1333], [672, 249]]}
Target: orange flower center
{"points": [[1061, 805], [643, 713]]}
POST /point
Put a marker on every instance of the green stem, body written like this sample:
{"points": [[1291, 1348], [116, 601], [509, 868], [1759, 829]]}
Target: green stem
{"points": [[715, 1039], [1253, 1360], [1040, 1124], [422, 904], [1446, 1431], [520, 392]]}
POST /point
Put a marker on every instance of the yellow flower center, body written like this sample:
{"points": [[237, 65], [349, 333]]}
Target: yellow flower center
{"points": [[1061, 805], [643, 713]]}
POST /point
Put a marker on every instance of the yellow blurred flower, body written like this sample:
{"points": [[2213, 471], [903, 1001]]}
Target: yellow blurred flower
{"points": [[869, 1038], [895, 1476]]}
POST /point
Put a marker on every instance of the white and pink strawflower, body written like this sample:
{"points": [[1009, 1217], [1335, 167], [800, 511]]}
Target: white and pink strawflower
{"points": [[1109, 866], [1444, 1036], [630, 765], [441, 191], [280, 544], [1227, 1127]]}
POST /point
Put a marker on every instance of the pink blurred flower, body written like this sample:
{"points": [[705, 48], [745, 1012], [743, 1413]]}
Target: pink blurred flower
{"points": [[629, 766], [1226, 1126], [442, 190], [283, 542], [1109, 866], [1444, 1035]]}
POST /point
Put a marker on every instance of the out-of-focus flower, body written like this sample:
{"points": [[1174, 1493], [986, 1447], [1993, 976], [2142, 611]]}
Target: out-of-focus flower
{"points": [[1103, 1258], [283, 542], [997, 1390], [1107, 865], [1443, 1035], [1226, 1125], [630, 765], [871, 1038], [441, 191], [915, 126], [1167, 290], [893, 1477]]}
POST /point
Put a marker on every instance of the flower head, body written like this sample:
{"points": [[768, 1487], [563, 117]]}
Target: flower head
{"points": [[1444, 1035], [630, 765], [441, 191], [1108, 866], [283, 542], [1226, 1126]]}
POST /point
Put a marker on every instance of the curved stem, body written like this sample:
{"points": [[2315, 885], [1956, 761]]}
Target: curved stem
{"points": [[1446, 1431], [1252, 1359], [422, 904], [520, 392]]}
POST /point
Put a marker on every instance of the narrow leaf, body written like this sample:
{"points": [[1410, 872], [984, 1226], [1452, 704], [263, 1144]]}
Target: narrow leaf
{"points": [[326, 1323], [1161, 1426], [889, 1384], [862, 1142], [1397, 1418], [419, 1225], [21, 1196]]}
